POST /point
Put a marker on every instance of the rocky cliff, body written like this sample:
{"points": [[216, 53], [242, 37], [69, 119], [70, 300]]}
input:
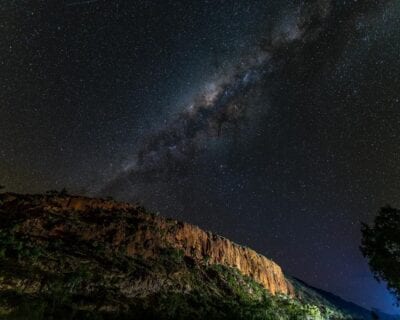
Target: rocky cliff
{"points": [[142, 234], [72, 257]]}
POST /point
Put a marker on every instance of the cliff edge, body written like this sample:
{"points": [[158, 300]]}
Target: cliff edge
{"points": [[136, 232], [73, 257]]}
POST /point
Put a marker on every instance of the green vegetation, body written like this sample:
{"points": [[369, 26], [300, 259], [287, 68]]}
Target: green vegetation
{"points": [[57, 264], [246, 299], [381, 246]]}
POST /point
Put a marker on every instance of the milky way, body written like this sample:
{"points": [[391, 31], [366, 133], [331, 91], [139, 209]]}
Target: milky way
{"points": [[274, 123], [224, 102], [219, 104]]}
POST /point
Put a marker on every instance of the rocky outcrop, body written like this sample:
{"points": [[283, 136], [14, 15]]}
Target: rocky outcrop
{"points": [[70, 257], [130, 229], [214, 249]]}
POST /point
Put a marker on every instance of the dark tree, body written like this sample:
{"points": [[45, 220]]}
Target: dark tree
{"points": [[381, 246], [63, 192], [1, 187], [374, 316]]}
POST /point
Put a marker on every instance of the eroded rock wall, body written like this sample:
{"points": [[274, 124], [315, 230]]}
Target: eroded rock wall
{"points": [[129, 228]]}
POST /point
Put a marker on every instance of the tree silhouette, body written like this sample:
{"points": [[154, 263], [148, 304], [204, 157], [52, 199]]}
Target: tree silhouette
{"points": [[381, 246], [63, 192], [374, 316]]}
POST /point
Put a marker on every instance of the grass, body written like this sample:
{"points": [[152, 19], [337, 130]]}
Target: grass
{"points": [[71, 278]]}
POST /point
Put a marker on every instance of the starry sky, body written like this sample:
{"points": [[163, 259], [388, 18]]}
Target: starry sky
{"points": [[274, 123]]}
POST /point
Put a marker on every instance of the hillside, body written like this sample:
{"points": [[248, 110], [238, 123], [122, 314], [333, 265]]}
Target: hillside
{"points": [[70, 257], [309, 294]]}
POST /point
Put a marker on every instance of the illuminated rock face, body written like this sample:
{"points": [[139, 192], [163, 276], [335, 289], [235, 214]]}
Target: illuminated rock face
{"points": [[213, 249], [118, 259], [128, 228], [205, 247]]}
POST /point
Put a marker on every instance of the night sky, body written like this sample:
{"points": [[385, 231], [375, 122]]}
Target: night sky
{"points": [[274, 123]]}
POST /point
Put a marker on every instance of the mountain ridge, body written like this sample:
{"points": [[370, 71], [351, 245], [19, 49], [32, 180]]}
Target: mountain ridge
{"points": [[151, 257]]}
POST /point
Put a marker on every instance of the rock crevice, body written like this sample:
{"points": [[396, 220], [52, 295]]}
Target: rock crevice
{"points": [[129, 228]]}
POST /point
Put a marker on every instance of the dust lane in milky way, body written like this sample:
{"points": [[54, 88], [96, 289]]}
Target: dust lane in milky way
{"points": [[273, 123], [218, 103]]}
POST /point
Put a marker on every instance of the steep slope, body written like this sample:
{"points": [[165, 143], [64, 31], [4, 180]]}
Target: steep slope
{"points": [[71, 257], [310, 294]]}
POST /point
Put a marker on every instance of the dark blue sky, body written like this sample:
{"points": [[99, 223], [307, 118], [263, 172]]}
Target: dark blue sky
{"points": [[86, 86]]}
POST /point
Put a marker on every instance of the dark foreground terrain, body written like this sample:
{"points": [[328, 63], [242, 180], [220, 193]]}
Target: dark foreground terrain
{"points": [[70, 257]]}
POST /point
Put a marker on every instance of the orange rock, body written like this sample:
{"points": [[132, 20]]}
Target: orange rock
{"points": [[148, 237]]}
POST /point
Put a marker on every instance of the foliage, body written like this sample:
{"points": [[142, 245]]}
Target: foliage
{"points": [[381, 246], [70, 273], [63, 192], [374, 316]]}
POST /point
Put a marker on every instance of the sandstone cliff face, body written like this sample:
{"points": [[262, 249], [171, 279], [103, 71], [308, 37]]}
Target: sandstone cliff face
{"points": [[129, 229], [69, 257], [214, 249]]}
